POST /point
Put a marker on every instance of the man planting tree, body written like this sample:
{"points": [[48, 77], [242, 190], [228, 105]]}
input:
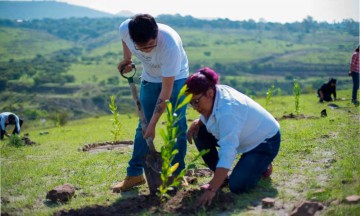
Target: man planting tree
{"points": [[165, 69], [9, 118]]}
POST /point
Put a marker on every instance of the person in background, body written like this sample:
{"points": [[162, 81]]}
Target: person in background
{"points": [[230, 123], [9, 118], [165, 69], [354, 73], [326, 90]]}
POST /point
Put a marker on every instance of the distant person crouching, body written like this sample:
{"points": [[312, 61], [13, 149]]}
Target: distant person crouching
{"points": [[8, 118], [326, 90]]}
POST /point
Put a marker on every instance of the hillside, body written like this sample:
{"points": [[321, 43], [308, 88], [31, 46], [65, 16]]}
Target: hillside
{"points": [[28, 10], [69, 65], [318, 162]]}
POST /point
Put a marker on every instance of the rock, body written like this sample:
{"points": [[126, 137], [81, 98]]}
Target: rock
{"points": [[61, 193], [306, 208], [353, 199], [335, 202], [268, 202]]}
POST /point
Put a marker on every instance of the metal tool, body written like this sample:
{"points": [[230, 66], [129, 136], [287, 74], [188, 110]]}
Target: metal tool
{"points": [[153, 161]]}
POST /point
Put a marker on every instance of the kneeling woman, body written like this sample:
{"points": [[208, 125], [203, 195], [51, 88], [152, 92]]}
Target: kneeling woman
{"points": [[230, 123]]}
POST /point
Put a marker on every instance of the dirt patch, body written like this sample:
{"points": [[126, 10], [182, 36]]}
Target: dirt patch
{"points": [[105, 146], [294, 116], [182, 203]]}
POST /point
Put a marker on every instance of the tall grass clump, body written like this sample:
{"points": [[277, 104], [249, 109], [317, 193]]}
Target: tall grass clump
{"points": [[296, 93], [168, 152], [116, 124], [16, 141], [269, 94], [60, 118]]}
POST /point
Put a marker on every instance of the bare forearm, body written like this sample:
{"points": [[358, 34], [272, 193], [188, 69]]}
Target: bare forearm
{"points": [[126, 51], [165, 94], [158, 110], [220, 175]]}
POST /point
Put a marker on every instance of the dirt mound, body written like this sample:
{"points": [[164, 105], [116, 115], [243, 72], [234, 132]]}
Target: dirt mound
{"points": [[101, 146], [182, 203]]}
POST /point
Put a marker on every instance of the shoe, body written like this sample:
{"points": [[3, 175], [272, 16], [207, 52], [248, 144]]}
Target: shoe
{"points": [[268, 172], [128, 183]]}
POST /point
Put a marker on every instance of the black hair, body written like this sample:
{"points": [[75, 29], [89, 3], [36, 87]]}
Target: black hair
{"points": [[12, 119], [332, 80], [143, 28]]}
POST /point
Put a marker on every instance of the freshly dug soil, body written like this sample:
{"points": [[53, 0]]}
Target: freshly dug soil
{"points": [[182, 203], [102, 146]]}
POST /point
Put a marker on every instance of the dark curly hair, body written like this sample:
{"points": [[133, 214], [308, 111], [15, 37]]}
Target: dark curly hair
{"points": [[143, 28]]}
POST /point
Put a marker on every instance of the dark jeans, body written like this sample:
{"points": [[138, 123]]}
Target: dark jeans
{"points": [[248, 170], [327, 97], [355, 78], [15, 131], [149, 93]]}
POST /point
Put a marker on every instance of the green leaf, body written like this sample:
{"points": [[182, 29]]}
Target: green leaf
{"points": [[169, 110], [184, 102], [174, 152], [182, 92]]}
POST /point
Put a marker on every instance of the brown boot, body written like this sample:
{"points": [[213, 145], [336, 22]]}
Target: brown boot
{"points": [[128, 183]]}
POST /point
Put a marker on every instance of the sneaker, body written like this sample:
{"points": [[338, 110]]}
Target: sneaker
{"points": [[129, 183], [268, 172]]}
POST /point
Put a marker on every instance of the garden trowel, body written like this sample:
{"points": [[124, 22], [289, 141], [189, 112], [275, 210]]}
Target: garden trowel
{"points": [[153, 161]]}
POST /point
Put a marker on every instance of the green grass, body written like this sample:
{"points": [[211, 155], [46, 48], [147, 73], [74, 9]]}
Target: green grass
{"points": [[316, 153], [18, 43]]}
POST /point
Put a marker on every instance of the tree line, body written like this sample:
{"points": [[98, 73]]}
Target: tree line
{"points": [[90, 28]]}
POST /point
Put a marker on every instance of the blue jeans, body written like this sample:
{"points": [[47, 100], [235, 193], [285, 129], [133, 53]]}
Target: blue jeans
{"points": [[248, 170], [149, 94], [355, 78]]}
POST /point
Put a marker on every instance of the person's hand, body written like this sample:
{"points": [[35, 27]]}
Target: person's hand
{"points": [[206, 198], [193, 130], [150, 132], [126, 65], [349, 73]]}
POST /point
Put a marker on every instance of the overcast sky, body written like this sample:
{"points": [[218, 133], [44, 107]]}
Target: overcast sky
{"points": [[270, 10]]}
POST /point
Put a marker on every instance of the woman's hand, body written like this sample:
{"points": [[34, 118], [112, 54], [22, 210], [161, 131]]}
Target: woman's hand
{"points": [[206, 198], [193, 130]]}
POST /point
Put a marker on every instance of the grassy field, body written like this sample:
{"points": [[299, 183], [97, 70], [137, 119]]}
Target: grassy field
{"points": [[318, 161], [25, 43]]}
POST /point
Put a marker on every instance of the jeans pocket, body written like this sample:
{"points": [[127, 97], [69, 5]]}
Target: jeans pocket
{"points": [[144, 82]]}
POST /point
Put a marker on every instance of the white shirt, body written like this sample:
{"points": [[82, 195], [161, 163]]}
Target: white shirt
{"points": [[167, 59], [4, 116], [238, 123]]}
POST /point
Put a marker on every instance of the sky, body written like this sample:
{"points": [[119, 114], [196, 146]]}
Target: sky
{"points": [[267, 10]]}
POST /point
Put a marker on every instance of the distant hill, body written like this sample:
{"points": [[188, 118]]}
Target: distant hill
{"points": [[125, 13], [27, 10]]}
